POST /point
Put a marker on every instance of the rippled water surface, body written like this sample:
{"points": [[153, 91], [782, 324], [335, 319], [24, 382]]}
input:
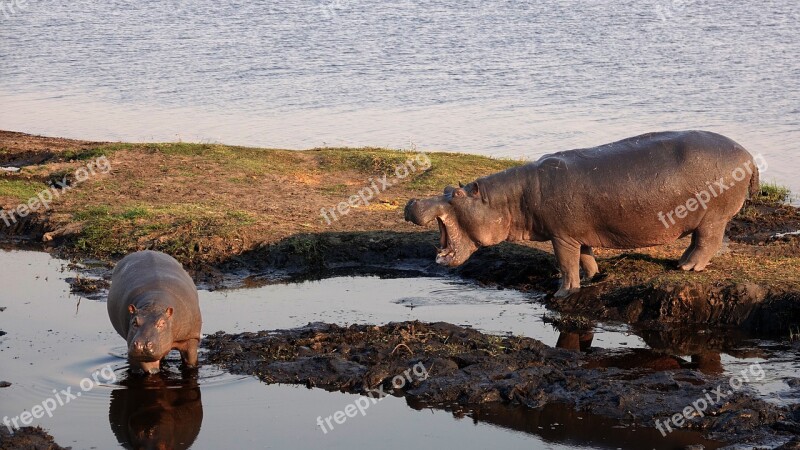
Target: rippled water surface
{"points": [[505, 78]]}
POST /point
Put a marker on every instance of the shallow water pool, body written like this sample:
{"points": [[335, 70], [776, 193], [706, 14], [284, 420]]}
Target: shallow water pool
{"points": [[55, 339]]}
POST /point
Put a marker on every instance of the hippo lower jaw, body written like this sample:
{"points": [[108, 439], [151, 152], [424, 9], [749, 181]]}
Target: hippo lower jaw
{"points": [[146, 367], [455, 248], [447, 252]]}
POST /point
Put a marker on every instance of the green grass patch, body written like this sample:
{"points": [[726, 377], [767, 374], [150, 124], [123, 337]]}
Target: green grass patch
{"points": [[334, 189], [366, 160], [102, 232], [21, 190], [774, 193], [87, 154], [178, 230], [252, 161], [433, 174], [452, 168], [135, 213]]}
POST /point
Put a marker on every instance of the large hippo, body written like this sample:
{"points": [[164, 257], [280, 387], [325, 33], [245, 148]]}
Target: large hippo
{"points": [[153, 305], [639, 192]]}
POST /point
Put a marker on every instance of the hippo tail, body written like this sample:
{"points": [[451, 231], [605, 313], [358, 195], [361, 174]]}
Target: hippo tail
{"points": [[755, 186]]}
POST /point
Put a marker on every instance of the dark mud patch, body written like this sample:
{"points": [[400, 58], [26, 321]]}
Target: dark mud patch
{"points": [[28, 438], [88, 287], [469, 368], [25, 158], [759, 223], [24, 232]]}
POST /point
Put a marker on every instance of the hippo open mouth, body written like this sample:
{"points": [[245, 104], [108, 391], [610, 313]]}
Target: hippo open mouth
{"points": [[455, 244], [447, 251]]}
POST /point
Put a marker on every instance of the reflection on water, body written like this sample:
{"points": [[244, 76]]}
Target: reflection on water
{"points": [[558, 423], [156, 412], [51, 344], [706, 360]]}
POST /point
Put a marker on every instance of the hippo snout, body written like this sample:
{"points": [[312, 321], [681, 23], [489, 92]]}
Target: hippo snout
{"points": [[423, 211], [409, 211], [142, 347]]}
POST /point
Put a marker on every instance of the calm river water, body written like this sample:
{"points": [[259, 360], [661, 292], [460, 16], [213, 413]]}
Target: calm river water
{"points": [[504, 78]]}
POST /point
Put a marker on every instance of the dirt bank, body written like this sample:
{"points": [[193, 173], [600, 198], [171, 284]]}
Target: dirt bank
{"points": [[233, 213], [465, 367]]}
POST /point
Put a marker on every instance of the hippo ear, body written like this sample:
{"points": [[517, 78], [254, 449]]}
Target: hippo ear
{"points": [[474, 190], [131, 309], [460, 184], [459, 193], [168, 312]]}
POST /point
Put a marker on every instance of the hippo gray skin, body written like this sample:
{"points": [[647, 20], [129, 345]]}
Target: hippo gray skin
{"points": [[153, 304], [639, 192]]}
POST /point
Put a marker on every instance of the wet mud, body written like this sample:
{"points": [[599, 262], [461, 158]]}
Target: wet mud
{"points": [[27, 438], [467, 368]]}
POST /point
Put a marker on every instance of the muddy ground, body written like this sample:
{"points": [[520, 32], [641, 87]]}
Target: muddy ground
{"points": [[465, 367], [27, 438], [238, 217]]}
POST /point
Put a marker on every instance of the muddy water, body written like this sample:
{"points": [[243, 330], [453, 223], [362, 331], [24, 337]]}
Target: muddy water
{"points": [[55, 339]]}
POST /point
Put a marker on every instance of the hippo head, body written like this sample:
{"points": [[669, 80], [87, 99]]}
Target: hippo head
{"points": [[467, 221], [149, 336]]}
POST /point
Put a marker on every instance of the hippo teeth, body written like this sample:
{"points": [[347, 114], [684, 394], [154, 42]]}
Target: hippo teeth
{"points": [[447, 252]]}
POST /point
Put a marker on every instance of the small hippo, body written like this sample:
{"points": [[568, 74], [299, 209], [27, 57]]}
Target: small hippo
{"points": [[639, 192], [153, 304]]}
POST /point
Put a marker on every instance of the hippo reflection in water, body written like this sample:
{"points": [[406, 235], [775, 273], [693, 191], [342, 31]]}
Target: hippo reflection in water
{"points": [[156, 413], [639, 192]]}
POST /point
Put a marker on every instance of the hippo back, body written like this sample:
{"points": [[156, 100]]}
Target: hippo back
{"points": [[153, 279]]}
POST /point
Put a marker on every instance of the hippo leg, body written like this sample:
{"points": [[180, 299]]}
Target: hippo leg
{"points": [[688, 252], [188, 351], [706, 241], [568, 256], [588, 264]]}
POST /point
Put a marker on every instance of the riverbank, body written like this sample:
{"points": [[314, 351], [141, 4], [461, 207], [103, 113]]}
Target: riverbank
{"points": [[238, 215], [245, 217]]}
